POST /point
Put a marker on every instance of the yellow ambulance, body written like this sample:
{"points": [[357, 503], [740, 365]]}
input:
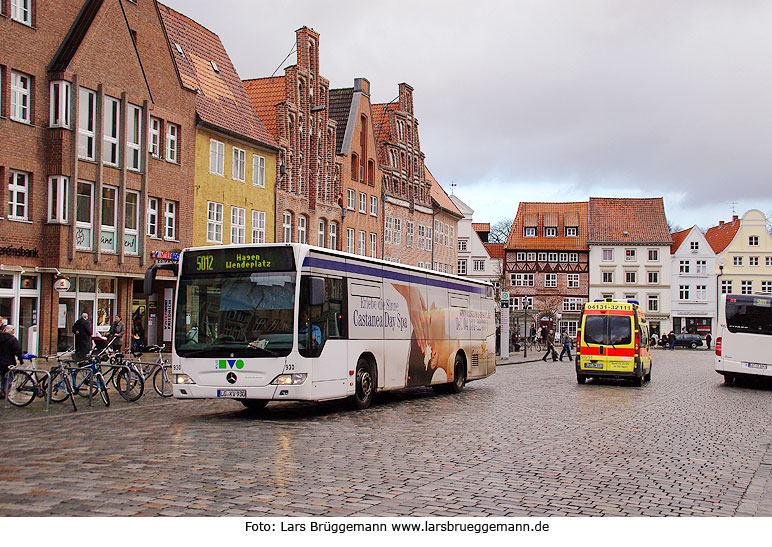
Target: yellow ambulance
{"points": [[613, 341]]}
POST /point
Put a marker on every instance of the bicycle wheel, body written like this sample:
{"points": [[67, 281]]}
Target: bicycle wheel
{"points": [[162, 382], [100, 382], [129, 384], [59, 390], [82, 381], [21, 388]]}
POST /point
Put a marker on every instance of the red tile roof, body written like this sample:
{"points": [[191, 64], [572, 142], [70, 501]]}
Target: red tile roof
{"points": [[381, 120], [481, 226], [628, 220], [495, 250], [719, 237], [265, 94], [550, 215], [678, 238], [221, 100], [439, 196]]}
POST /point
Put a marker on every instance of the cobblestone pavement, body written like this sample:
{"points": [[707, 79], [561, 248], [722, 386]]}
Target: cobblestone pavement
{"points": [[527, 441]]}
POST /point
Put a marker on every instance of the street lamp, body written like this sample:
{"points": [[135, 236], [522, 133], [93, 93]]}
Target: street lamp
{"points": [[721, 263]]}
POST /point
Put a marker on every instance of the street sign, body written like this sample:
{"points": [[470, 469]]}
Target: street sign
{"points": [[505, 304], [504, 295]]}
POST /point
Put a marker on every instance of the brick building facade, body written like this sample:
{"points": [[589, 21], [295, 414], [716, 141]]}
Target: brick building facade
{"points": [[295, 109], [80, 82], [547, 265], [408, 214], [361, 176]]}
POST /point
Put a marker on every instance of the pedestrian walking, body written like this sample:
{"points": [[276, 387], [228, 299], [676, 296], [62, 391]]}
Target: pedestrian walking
{"points": [[82, 330], [708, 338], [671, 339], [117, 333], [565, 339], [10, 351], [515, 342], [550, 341], [544, 335]]}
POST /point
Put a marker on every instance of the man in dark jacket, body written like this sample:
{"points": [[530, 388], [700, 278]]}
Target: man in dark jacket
{"points": [[10, 351], [82, 330], [117, 333]]}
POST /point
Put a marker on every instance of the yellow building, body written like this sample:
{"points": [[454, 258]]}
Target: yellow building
{"points": [[235, 168], [743, 250]]}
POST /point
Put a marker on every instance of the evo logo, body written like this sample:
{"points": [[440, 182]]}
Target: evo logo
{"points": [[230, 363]]}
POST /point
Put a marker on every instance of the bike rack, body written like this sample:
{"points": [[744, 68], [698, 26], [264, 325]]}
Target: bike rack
{"points": [[34, 371]]}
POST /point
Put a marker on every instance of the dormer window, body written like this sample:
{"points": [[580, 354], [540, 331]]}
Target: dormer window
{"points": [[529, 231], [215, 67], [550, 232], [572, 231]]}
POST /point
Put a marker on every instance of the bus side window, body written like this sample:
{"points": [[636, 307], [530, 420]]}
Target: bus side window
{"points": [[326, 321]]}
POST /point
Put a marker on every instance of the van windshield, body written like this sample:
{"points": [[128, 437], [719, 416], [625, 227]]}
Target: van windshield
{"points": [[608, 330]]}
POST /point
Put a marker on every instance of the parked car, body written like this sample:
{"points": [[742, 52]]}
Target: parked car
{"points": [[684, 341]]}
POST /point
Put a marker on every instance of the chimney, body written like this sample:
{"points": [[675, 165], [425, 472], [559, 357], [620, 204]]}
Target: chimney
{"points": [[363, 85], [720, 222], [734, 218]]}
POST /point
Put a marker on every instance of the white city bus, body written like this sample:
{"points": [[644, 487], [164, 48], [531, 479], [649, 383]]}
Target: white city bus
{"points": [[744, 336], [294, 322]]}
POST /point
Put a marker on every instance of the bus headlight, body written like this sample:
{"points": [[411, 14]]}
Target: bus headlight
{"points": [[183, 379], [289, 379]]}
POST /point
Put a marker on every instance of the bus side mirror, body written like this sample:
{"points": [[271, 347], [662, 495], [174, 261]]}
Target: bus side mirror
{"points": [[316, 291]]}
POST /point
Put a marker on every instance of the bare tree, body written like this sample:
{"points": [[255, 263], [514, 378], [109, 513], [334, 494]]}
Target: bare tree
{"points": [[500, 231], [673, 227], [548, 305]]}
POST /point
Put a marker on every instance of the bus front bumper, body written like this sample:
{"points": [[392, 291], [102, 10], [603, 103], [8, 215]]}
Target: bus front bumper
{"points": [[301, 392]]}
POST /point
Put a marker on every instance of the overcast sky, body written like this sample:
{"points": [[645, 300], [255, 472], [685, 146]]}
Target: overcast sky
{"points": [[550, 100]]}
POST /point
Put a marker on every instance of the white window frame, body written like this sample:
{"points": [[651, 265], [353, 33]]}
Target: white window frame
{"points": [[522, 280], [421, 244], [694, 246], [461, 266], [321, 234], [85, 224], [462, 245], [21, 11], [753, 261], [655, 253], [409, 233], [286, 227], [362, 202], [302, 229], [86, 124], [572, 231], [387, 226], [737, 261], [684, 266], [214, 221], [134, 138], [701, 266], [746, 287], [373, 245], [478, 265], [333, 235], [753, 241], [59, 104], [258, 170], [152, 217], [529, 231], [573, 257], [170, 220], [607, 277], [428, 238], [550, 231], [520, 257], [216, 157], [766, 287], [701, 292], [238, 225], [652, 299], [128, 231], [239, 167], [631, 277], [351, 197], [374, 206], [362, 243], [726, 286], [572, 281], [111, 131], [172, 138], [58, 199], [154, 137], [631, 255], [258, 226], [552, 257], [350, 243], [551, 280], [607, 255], [18, 195], [111, 227], [21, 95], [654, 275], [397, 233]]}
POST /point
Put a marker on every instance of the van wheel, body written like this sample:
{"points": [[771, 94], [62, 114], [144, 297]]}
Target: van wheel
{"points": [[638, 381], [647, 377], [254, 404], [729, 378], [365, 384], [459, 375], [581, 378]]}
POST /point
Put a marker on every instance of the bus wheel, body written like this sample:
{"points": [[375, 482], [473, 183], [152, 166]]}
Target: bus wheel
{"points": [[459, 375], [254, 404], [365, 385], [581, 378], [729, 378]]}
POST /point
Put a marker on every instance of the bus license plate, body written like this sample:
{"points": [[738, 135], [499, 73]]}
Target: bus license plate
{"points": [[593, 365], [757, 365], [232, 393]]}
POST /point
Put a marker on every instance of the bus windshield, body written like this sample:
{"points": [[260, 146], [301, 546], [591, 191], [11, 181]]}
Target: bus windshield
{"points": [[749, 314], [235, 314]]}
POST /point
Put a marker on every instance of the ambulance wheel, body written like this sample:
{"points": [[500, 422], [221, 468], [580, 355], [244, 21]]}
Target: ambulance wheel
{"points": [[581, 378], [365, 384], [648, 375], [254, 404], [638, 381]]}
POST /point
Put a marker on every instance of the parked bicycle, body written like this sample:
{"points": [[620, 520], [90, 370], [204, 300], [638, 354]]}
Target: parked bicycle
{"points": [[23, 386], [160, 371]]}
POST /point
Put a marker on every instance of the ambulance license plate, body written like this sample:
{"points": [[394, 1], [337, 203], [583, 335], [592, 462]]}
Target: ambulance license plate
{"points": [[232, 393], [757, 365], [593, 365]]}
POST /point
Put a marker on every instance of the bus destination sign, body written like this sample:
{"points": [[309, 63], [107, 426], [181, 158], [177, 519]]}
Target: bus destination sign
{"points": [[250, 259]]}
